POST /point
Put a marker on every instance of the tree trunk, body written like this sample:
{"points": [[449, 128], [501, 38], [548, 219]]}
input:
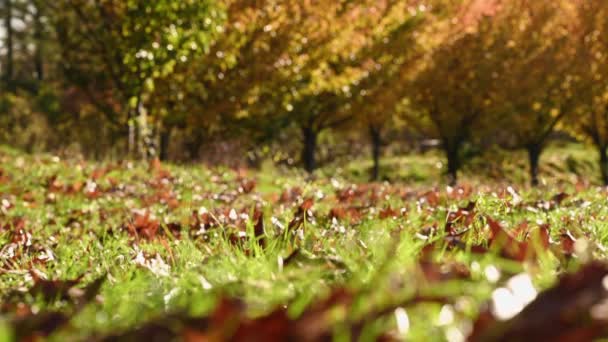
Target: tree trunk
{"points": [[165, 135], [193, 145], [144, 134], [115, 141], [134, 121], [604, 164], [310, 147], [131, 138], [376, 140], [8, 27], [38, 37], [534, 151], [451, 152]]}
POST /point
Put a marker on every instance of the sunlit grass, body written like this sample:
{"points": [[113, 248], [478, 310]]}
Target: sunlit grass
{"points": [[377, 258]]}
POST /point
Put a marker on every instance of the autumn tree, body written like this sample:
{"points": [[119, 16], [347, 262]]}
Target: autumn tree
{"points": [[114, 51], [220, 90], [454, 89], [311, 84], [336, 51], [590, 115], [309, 80], [489, 79], [393, 49], [535, 72]]}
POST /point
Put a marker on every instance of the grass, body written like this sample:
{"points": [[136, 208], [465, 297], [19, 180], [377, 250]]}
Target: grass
{"points": [[560, 163], [99, 219]]}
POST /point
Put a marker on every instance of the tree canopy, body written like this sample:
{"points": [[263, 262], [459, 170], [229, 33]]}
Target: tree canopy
{"points": [[138, 78]]}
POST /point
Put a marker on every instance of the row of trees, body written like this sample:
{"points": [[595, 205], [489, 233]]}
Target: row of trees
{"points": [[141, 76]]}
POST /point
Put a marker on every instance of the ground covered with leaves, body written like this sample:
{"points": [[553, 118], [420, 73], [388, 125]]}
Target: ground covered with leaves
{"points": [[129, 251]]}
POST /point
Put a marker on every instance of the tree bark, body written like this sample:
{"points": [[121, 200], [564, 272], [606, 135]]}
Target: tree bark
{"points": [[165, 136], [603, 164], [134, 126], [143, 133], [309, 149], [131, 138], [193, 145], [376, 140], [39, 39], [534, 152], [8, 27], [451, 150]]}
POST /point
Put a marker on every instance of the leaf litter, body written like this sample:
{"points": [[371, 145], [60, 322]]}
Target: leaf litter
{"points": [[493, 237]]}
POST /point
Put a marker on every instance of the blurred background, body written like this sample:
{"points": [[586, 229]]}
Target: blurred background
{"points": [[481, 84]]}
